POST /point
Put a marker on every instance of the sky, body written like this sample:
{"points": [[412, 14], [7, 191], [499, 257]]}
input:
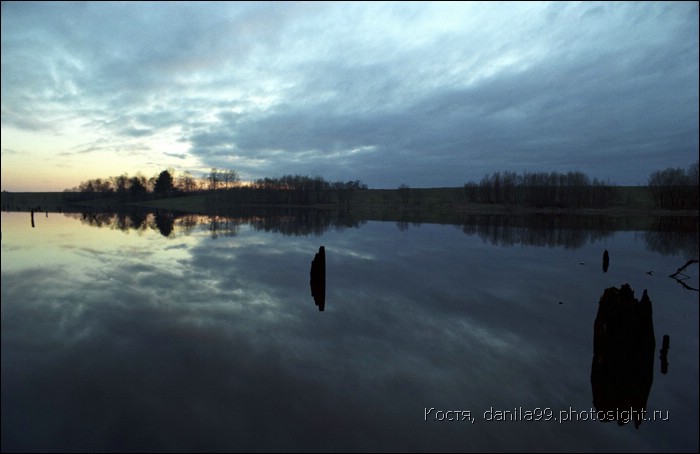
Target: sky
{"points": [[424, 94]]}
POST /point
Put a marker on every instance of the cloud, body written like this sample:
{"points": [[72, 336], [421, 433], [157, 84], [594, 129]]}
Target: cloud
{"points": [[177, 155], [430, 94]]}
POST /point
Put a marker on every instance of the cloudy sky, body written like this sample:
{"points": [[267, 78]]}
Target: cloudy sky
{"points": [[426, 94]]}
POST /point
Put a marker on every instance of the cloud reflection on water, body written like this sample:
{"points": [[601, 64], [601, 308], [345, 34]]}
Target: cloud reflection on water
{"points": [[218, 348]]}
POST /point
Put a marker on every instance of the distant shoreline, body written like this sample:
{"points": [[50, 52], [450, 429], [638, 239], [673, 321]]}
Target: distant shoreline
{"points": [[383, 204]]}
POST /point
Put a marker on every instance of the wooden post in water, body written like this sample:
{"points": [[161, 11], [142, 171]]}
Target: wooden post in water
{"points": [[606, 261], [318, 278], [664, 353]]}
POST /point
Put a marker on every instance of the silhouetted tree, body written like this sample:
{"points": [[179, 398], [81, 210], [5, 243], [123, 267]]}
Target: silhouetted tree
{"points": [[229, 178], [214, 179], [471, 191], [121, 185], [404, 194], [288, 189], [564, 190], [137, 186], [164, 184]]}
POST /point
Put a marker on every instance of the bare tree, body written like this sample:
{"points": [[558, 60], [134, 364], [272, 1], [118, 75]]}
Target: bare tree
{"points": [[214, 179], [229, 178], [186, 182]]}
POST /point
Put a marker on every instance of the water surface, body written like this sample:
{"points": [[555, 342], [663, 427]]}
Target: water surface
{"points": [[200, 334]]}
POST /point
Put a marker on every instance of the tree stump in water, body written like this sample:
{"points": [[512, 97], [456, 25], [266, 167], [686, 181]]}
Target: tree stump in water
{"points": [[623, 355]]}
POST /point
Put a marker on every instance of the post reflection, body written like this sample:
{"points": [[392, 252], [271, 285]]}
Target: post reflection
{"points": [[622, 371]]}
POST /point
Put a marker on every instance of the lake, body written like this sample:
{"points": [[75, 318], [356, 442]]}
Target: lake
{"points": [[162, 333]]}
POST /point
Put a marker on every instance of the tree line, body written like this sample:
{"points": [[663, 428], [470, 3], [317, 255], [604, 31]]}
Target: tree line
{"points": [[540, 189], [675, 188], [225, 183], [672, 188], [300, 189], [164, 184], [290, 190]]}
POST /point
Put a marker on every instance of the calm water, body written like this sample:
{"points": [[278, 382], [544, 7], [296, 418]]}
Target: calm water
{"points": [[118, 338]]}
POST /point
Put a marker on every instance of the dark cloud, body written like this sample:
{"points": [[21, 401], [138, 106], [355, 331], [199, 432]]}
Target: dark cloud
{"points": [[427, 94], [177, 155]]}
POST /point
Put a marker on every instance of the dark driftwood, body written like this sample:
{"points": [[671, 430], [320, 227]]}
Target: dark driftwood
{"points": [[681, 269], [680, 277]]}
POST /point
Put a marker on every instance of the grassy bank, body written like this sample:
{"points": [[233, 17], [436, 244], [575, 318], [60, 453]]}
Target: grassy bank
{"points": [[38, 201]]}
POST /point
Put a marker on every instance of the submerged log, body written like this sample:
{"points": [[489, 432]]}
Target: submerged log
{"points": [[318, 278], [623, 355]]}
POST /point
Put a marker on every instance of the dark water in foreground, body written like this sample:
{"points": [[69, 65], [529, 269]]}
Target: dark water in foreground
{"points": [[209, 340]]}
